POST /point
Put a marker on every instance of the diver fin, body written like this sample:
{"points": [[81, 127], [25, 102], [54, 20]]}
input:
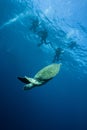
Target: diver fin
{"points": [[24, 80]]}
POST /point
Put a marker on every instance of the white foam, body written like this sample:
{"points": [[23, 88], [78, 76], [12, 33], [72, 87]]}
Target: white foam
{"points": [[17, 17]]}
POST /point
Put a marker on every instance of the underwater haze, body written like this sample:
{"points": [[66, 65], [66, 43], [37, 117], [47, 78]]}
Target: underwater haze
{"points": [[60, 104]]}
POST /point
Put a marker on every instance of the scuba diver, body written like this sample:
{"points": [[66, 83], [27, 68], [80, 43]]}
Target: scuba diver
{"points": [[40, 31], [34, 25], [58, 53], [72, 45], [43, 34]]}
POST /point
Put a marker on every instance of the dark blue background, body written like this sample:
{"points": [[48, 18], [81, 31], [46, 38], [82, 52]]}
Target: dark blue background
{"points": [[61, 104]]}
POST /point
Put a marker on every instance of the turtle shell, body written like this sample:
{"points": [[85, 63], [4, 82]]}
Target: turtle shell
{"points": [[48, 72]]}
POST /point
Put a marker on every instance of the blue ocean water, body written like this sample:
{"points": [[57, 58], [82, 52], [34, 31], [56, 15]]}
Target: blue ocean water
{"points": [[61, 104]]}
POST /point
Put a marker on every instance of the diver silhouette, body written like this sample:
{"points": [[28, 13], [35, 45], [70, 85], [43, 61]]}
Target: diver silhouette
{"points": [[43, 34], [72, 45], [57, 56], [34, 25]]}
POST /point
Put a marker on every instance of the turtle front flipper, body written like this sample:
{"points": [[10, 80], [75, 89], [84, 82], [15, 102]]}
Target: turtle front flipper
{"points": [[28, 86], [24, 80]]}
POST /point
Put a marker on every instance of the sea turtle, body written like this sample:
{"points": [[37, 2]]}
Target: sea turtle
{"points": [[43, 76]]}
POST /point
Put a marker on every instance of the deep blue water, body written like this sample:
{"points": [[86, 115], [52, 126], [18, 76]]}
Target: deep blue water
{"points": [[61, 104]]}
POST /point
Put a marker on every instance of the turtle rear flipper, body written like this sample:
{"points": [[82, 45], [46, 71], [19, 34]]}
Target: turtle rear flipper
{"points": [[24, 80]]}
